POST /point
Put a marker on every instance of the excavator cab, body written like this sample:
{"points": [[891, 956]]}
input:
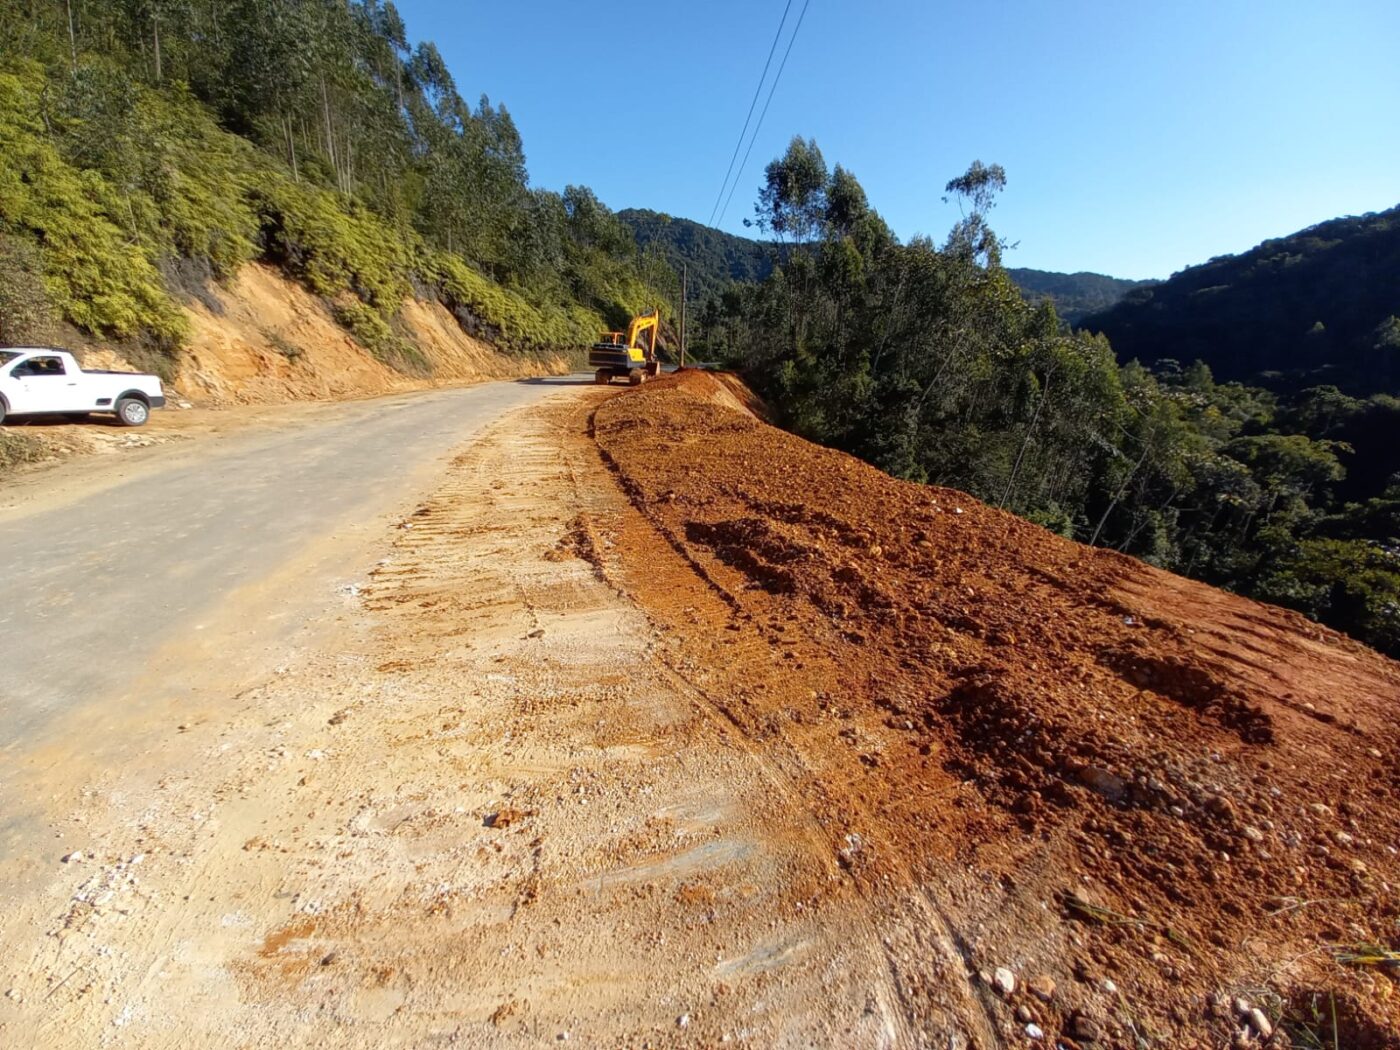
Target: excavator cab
{"points": [[630, 355]]}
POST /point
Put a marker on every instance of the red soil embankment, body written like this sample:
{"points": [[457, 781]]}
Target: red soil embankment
{"points": [[1161, 796]]}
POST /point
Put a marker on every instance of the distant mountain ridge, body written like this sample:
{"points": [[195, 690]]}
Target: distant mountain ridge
{"points": [[1075, 295], [1320, 306], [716, 258]]}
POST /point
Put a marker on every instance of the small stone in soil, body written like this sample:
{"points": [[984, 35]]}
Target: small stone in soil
{"points": [[1083, 1027], [1261, 1023], [1042, 986], [1109, 785]]}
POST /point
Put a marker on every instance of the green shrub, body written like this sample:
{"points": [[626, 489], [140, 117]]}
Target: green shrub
{"points": [[1353, 585], [332, 245], [376, 335], [183, 182], [95, 275], [517, 323], [201, 179], [26, 314]]}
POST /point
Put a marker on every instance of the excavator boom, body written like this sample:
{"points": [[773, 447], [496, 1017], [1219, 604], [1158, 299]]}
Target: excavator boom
{"points": [[640, 327]]}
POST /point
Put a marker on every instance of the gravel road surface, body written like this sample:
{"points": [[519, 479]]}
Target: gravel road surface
{"points": [[95, 581]]}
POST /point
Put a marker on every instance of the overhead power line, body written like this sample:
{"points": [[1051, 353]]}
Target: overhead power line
{"points": [[767, 102], [752, 105]]}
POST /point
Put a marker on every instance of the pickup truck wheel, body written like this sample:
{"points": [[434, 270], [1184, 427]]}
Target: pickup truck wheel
{"points": [[132, 412]]}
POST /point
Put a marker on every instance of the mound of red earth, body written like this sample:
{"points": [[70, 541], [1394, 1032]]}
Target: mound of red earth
{"points": [[1146, 812]]}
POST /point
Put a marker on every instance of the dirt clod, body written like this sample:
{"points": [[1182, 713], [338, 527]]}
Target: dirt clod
{"points": [[1083, 1028], [1042, 986]]}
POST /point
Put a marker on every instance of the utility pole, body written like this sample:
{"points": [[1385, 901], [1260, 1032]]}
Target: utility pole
{"points": [[685, 279]]}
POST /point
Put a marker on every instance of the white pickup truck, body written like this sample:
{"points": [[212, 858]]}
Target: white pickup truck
{"points": [[37, 381]]}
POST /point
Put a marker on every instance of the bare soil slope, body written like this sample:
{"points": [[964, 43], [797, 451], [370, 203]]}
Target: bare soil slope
{"points": [[1140, 808], [271, 340]]}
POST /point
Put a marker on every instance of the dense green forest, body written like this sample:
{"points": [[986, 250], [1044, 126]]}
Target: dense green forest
{"points": [[1319, 306], [927, 361], [1075, 295], [152, 146], [717, 260]]}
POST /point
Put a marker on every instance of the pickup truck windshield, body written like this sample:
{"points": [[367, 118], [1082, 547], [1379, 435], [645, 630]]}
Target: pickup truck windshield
{"points": [[6, 356]]}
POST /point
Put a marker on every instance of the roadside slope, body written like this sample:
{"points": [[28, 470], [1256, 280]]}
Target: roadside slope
{"points": [[263, 338], [1157, 795]]}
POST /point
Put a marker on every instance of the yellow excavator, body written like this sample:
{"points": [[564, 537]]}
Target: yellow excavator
{"points": [[629, 355]]}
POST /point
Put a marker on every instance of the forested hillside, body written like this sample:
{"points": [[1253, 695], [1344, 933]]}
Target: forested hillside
{"points": [[926, 361], [718, 259], [150, 148], [1075, 295], [1319, 306], [715, 258]]}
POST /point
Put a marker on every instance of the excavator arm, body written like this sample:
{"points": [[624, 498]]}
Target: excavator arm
{"points": [[640, 327]]}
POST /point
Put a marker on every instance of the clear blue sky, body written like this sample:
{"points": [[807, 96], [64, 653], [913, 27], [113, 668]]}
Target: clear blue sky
{"points": [[1138, 138]]}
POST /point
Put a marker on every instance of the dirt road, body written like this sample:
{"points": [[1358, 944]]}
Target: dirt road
{"points": [[143, 588], [140, 552], [478, 807]]}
